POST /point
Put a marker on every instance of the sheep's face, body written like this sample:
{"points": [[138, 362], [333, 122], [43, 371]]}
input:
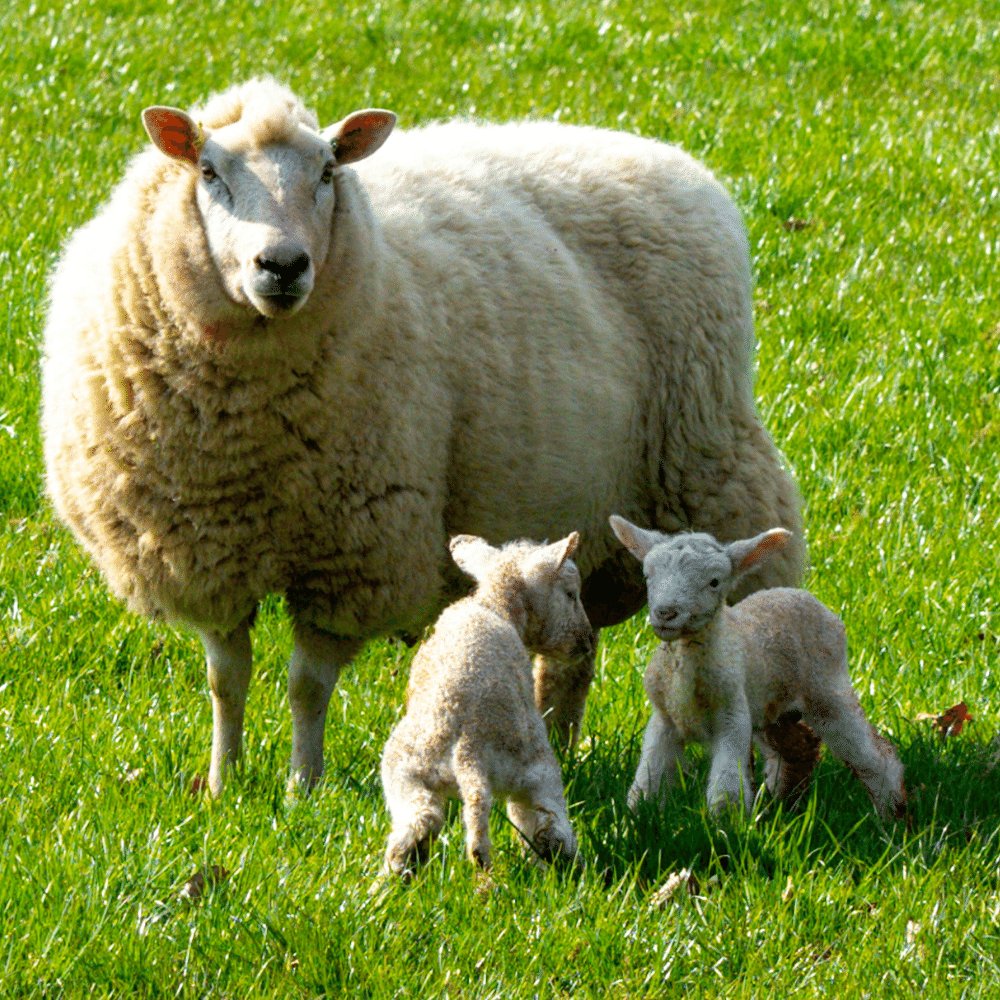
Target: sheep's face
{"points": [[557, 623], [541, 581], [266, 192], [689, 576], [267, 214], [687, 580]]}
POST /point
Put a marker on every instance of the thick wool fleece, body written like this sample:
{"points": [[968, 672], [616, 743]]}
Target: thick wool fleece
{"points": [[517, 329]]}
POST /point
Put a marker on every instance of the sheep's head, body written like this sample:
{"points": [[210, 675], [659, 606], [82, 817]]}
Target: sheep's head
{"points": [[690, 575], [266, 185], [541, 582]]}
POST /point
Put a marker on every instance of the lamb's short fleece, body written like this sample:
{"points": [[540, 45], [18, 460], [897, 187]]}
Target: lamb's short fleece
{"points": [[471, 728], [772, 670]]}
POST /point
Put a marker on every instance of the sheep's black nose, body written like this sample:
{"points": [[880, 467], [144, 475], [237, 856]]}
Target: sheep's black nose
{"points": [[285, 269], [665, 612]]}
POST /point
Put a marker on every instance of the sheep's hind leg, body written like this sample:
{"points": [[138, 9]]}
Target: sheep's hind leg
{"points": [[561, 688], [791, 751], [538, 810], [842, 726], [477, 798], [417, 817], [230, 661], [312, 676]]}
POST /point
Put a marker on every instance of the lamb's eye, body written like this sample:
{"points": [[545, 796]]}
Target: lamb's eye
{"points": [[208, 171], [714, 582], [327, 174]]}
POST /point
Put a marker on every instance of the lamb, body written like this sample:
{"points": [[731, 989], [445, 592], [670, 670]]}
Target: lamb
{"points": [[771, 669], [277, 363], [471, 727]]}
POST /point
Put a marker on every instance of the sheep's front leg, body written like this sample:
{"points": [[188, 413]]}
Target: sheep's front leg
{"points": [[730, 779], [312, 675], [230, 662], [561, 688], [661, 751]]}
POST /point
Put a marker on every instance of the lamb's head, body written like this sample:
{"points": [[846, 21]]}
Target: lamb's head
{"points": [[538, 585], [266, 185], [690, 575]]}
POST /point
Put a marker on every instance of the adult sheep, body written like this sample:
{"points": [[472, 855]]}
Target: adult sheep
{"points": [[270, 368]]}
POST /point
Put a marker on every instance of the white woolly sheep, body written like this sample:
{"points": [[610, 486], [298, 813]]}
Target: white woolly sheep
{"points": [[471, 727], [273, 365], [771, 669]]}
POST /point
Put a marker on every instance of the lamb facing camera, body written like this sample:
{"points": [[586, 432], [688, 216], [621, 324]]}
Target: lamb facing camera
{"points": [[771, 670]]}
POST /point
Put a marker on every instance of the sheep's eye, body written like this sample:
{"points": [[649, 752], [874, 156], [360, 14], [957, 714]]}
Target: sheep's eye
{"points": [[208, 172], [327, 174], [714, 582]]}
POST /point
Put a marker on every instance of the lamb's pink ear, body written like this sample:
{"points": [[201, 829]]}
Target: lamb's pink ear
{"points": [[472, 554], [750, 552], [553, 556], [637, 540], [174, 133], [359, 134]]}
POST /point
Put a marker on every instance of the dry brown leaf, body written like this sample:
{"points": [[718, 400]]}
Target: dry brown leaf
{"points": [[948, 723], [793, 225], [194, 887], [198, 784]]}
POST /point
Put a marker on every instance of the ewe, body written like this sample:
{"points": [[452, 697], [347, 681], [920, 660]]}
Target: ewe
{"points": [[275, 363], [773, 669], [471, 728]]}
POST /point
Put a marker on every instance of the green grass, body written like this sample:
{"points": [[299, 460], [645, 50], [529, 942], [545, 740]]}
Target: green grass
{"points": [[861, 142]]}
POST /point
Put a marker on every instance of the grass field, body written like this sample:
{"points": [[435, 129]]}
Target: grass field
{"points": [[861, 141]]}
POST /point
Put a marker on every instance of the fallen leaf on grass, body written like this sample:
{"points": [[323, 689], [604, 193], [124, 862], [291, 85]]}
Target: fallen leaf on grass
{"points": [[793, 225], [194, 887], [198, 784], [948, 723], [677, 883]]}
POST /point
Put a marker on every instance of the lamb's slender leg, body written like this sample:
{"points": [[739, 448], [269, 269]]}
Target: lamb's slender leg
{"points": [[230, 661], [477, 798], [561, 688], [661, 752], [842, 726], [730, 778], [312, 675], [417, 815], [538, 810]]}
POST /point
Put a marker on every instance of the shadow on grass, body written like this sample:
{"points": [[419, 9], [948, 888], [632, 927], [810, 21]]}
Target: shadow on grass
{"points": [[954, 789]]}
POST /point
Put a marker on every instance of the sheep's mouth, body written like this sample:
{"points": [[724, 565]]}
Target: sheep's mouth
{"points": [[278, 304], [285, 301], [670, 633]]}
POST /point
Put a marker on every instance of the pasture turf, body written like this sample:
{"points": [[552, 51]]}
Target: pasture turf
{"points": [[861, 142]]}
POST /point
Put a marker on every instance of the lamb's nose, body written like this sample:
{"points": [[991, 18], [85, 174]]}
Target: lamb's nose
{"points": [[665, 612], [286, 268]]}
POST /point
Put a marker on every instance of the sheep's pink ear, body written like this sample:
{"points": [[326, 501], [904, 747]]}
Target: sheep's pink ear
{"points": [[174, 133], [750, 552], [637, 540], [472, 554], [359, 134], [553, 556]]}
